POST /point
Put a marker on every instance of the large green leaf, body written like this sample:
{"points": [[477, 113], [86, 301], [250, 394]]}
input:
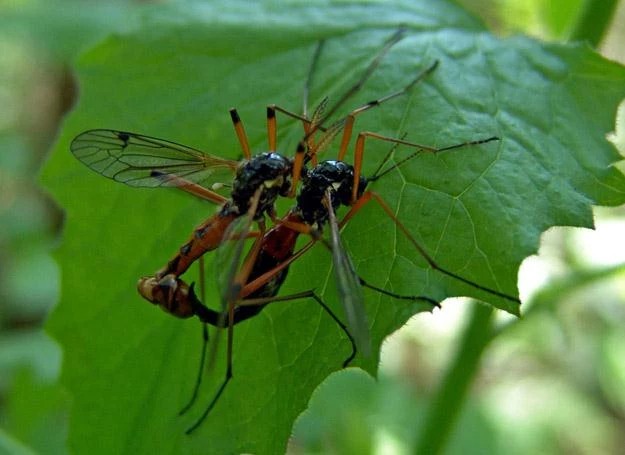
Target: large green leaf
{"points": [[478, 211]]}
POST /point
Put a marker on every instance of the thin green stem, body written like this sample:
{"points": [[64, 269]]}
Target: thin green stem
{"points": [[448, 400], [594, 20]]}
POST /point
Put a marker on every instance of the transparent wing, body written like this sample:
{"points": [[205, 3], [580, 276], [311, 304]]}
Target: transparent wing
{"points": [[227, 265], [138, 160], [230, 258], [349, 289]]}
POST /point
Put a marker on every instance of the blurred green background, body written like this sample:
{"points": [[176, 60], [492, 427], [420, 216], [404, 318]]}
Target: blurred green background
{"points": [[552, 382]]}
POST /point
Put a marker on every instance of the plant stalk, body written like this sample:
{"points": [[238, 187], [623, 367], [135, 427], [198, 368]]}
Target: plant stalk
{"points": [[448, 400]]}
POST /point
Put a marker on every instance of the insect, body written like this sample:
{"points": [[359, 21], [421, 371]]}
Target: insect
{"points": [[257, 182], [270, 265], [326, 187]]}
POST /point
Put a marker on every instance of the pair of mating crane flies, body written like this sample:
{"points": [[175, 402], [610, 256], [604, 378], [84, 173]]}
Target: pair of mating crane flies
{"points": [[249, 284]]}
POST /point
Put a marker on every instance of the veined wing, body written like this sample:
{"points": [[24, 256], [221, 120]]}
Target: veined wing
{"points": [[139, 160], [349, 288]]}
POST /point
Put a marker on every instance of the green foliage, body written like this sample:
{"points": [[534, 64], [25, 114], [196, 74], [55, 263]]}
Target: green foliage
{"points": [[63, 28], [478, 211], [592, 23]]}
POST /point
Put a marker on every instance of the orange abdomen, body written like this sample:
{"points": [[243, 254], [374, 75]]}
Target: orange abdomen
{"points": [[206, 237]]}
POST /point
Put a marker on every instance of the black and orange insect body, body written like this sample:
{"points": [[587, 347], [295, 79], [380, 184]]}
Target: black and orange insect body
{"points": [[326, 187], [251, 281], [277, 247], [259, 181], [139, 160], [254, 184]]}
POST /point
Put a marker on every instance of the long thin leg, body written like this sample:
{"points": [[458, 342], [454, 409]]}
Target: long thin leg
{"points": [[394, 295], [264, 301], [302, 295], [231, 297], [228, 274], [199, 421], [348, 281], [396, 37], [242, 277], [369, 195], [267, 276], [235, 288], [387, 157], [198, 381], [302, 228], [349, 121], [190, 187], [311, 72], [238, 128], [360, 150], [313, 126], [233, 277], [379, 174], [231, 323], [272, 127], [305, 120], [200, 374], [300, 153], [317, 116]]}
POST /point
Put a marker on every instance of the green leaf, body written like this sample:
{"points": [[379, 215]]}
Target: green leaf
{"points": [[63, 28], [479, 211]]}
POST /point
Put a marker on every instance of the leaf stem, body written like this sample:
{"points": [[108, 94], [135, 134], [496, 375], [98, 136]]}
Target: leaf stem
{"points": [[448, 400], [594, 20]]}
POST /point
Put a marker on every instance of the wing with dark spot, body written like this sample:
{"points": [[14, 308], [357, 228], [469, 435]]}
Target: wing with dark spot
{"points": [[139, 160]]}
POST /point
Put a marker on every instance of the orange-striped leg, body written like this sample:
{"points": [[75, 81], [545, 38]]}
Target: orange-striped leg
{"points": [[303, 228], [190, 187], [278, 246], [304, 146], [260, 281], [272, 126], [305, 120], [240, 131]]}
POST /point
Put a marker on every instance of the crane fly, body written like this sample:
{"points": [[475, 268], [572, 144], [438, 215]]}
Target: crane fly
{"points": [[144, 161], [325, 187], [255, 184]]}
